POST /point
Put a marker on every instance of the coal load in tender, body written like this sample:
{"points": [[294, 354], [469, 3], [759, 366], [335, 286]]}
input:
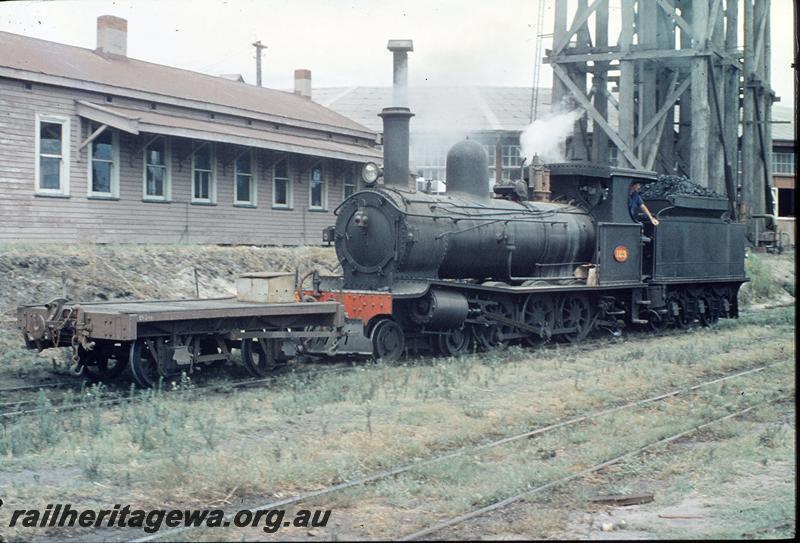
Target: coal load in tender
{"points": [[673, 185]]}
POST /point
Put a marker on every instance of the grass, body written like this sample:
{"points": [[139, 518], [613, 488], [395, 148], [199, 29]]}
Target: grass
{"points": [[184, 447], [739, 485]]}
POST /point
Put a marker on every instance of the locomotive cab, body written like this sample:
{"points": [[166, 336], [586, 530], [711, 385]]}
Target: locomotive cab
{"points": [[603, 191]]}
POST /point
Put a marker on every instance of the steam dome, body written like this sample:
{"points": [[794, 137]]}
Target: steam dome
{"points": [[468, 169]]}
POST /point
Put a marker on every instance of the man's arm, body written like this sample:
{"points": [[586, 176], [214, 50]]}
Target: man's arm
{"points": [[649, 215]]}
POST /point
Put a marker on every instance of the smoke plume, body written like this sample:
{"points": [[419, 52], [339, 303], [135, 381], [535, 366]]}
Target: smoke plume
{"points": [[545, 135]]}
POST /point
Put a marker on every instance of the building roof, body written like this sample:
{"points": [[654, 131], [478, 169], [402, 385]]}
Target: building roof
{"points": [[783, 129], [440, 109], [134, 121], [33, 59], [476, 108]]}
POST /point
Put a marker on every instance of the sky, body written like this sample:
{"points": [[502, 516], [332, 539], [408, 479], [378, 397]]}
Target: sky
{"points": [[343, 42]]}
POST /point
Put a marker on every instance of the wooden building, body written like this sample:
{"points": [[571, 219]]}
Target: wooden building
{"points": [[98, 147]]}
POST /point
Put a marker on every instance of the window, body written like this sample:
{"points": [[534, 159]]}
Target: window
{"points": [[104, 160], [783, 162], [510, 156], [281, 184], [203, 189], [490, 154], [785, 204], [243, 174], [156, 171], [612, 156], [52, 155], [430, 161], [350, 182], [317, 189]]}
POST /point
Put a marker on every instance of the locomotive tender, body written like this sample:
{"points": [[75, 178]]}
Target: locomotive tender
{"points": [[471, 268]]}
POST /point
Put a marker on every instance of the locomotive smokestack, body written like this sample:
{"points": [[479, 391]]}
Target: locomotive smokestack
{"points": [[396, 119], [395, 146], [400, 49]]}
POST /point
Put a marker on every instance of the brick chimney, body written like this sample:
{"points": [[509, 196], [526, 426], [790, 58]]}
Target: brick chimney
{"points": [[302, 83], [112, 36]]}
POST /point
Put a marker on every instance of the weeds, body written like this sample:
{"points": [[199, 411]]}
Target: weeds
{"points": [[763, 285]]}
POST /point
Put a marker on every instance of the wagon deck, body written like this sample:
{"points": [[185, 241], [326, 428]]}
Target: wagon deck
{"points": [[125, 321]]}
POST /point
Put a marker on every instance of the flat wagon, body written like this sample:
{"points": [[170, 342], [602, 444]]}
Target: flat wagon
{"points": [[162, 338]]}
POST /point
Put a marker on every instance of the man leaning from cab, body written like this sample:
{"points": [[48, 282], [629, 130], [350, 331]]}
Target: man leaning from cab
{"points": [[636, 204]]}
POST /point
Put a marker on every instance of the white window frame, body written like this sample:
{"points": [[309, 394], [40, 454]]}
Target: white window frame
{"points": [[491, 154], [253, 201], [289, 185], [212, 178], [167, 175], [352, 171], [509, 156], [114, 168], [783, 162], [66, 138], [324, 204]]}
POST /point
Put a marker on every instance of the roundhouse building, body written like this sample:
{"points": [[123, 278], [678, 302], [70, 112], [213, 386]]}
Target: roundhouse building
{"points": [[99, 147]]}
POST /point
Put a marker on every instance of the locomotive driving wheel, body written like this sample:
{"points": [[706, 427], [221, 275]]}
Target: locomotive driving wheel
{"points": [[454, 342], [575, 311], [388, 341], [494, 335], [539, 311]]}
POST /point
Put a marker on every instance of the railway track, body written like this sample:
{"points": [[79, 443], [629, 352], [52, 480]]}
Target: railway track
{"points": [[55, 384], [559, 482], [118, 398], [571, 421]]}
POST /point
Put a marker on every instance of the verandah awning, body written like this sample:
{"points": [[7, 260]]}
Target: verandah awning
{"points": [[136, 121]]}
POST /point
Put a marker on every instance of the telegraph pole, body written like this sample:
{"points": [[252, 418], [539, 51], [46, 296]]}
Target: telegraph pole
{"points": [[258, 47]]}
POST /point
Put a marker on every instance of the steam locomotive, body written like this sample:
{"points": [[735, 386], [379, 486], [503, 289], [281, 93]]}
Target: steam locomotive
{"points": [[554, 257], [543, 259]]}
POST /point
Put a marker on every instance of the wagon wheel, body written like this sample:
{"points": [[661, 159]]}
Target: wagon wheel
{"points": [[102, 363], [454, 342], [388, 341], [143, 365], [259, 357], [575, 311], [539, 311]]}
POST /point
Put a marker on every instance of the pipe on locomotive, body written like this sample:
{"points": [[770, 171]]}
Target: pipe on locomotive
{"points": [[395, 146]]}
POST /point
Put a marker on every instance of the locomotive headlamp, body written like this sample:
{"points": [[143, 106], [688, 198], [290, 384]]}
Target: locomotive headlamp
{"points": [[370, 173], [620, 253]]}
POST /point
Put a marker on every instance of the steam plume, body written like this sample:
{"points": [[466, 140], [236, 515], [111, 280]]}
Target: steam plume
{"points": [[545, 135]]}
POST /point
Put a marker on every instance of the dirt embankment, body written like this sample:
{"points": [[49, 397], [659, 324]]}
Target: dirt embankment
{"points": [[36, 274], [39, 273]]}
